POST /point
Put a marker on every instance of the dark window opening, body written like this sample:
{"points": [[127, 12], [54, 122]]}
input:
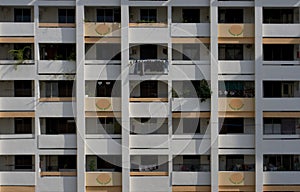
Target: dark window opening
{"points": [[67, 162], [191, 15], [278, 52], [66, 15], [22, 15], [109, 15], [232, 125], [231, 52], [58, 52], [278, 15], [23, 88], [148, 51], [231, 15], [148, 15], [23, 125], [23, 162], [60, 126], [149, 89], [58, 88]]}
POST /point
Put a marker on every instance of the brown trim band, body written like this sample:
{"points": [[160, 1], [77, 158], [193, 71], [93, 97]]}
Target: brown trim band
{"points": [[149, 173], [17, 40], [17, 114]]}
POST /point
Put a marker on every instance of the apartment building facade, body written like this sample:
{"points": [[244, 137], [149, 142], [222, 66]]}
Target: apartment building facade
{"points": [[137, 96]]}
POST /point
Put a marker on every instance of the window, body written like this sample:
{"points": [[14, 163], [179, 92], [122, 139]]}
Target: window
{"points": [[66, 15], [278, 15], [23, 162], [278, 52], [279, 89], [108, 15], [26, 51], [23, 125], [148, 15], [230, 52], [148, 51], [60, 126], [231, 16], [191, 126], [56, 89], [67, 162], [22, 15], [110, 125], [191, 52], [23, 88], [191, 15], [105, 88], [109, 163], [149, 89], [232, 125]]}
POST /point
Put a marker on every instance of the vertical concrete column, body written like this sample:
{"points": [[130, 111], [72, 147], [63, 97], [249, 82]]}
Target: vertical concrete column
{"points": [[80, 92], [125, 96], [258, 97], [214, 97], [36, 95], [170, 131]]}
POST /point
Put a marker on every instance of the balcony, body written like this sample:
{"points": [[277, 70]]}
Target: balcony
{"points": [[152, 109], [99, 29], [57, 141], [54, 33], [149, 141], [57, 183], [281, 30], [236, 178], [190, 104], [56, 67], [191, 178], [23, 178], [58, 165], [14, 70], [236, 104], [149, 183], [149, 67], [236, 67], [9, 29], [236, 141], [12, 146], [96, 179], [17, 103], [281, 178], [235, 30], [103, 104]]}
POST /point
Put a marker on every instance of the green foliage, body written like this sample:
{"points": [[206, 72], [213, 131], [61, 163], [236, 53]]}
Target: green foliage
{"points": [[204, 92], [20, 54], [92, 165]]}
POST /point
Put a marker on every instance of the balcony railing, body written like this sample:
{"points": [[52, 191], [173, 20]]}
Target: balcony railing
{"points": [[149, 67]]}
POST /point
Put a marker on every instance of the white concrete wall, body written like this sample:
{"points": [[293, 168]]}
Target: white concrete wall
{"points": [[149, 141], [57, 67], [281, 30], [18, 178], [271, 72], [9, 29], [57, 141], [236, 67], [190, 30], [58, 184], [103, 146], [55, 109], [56, 35], [281, 178], [191, 178], [149, 184], [17, 103], [189, 72], [190, 104], [17, 146], [13, 71], [102, 72], [236, 141], [151, 109], [280, 104], [148, 35], [280, 146]]}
